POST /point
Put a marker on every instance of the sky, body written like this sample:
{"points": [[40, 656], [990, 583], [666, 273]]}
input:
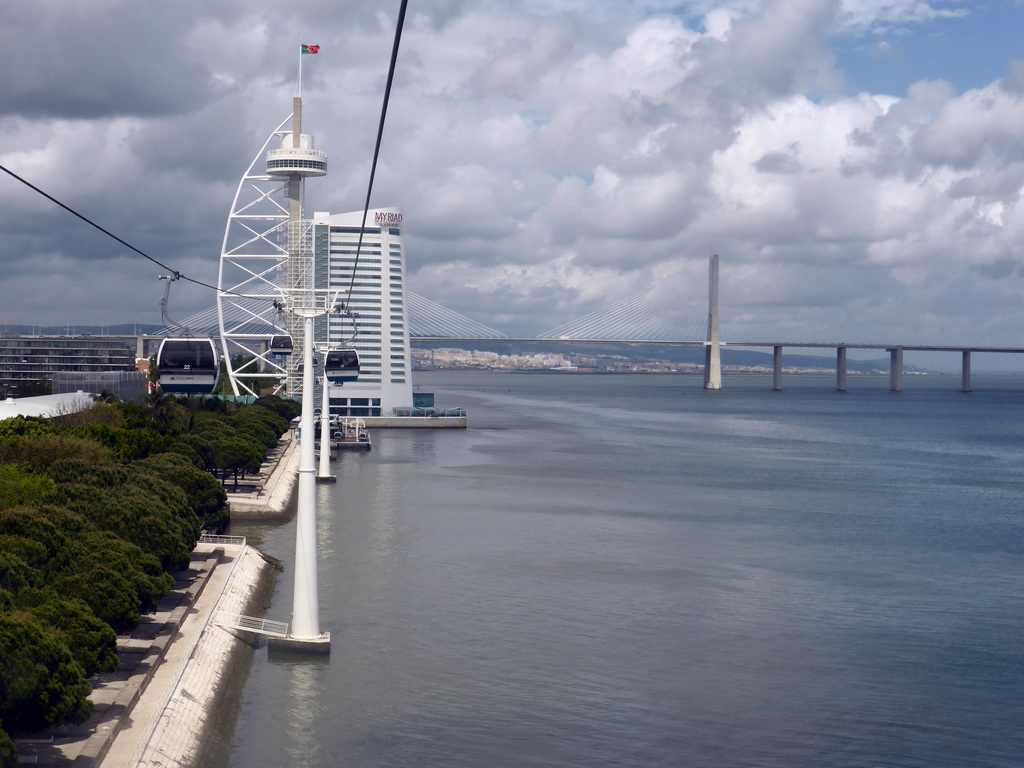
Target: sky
{"points": [[857, 164]]}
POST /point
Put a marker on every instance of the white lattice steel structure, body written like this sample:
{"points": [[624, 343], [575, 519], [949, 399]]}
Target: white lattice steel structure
{"points": [[266, 263]]}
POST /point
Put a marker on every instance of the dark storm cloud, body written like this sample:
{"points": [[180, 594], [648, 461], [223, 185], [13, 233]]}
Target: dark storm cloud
{"points": [[88, 60]]}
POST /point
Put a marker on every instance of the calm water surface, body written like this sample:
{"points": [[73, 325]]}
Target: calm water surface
{"points": [[628, 571]]}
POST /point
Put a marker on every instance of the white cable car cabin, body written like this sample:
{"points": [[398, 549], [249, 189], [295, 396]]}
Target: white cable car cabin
{"points": [[342, 365], [188, 365], [300, 368], [281, 345]]}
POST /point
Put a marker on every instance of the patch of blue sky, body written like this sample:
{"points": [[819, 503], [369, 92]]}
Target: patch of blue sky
{"points": [[969, 51]]}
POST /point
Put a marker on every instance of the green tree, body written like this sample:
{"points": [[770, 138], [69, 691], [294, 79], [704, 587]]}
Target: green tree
{"points": [[8, 752], [127, 444], [18, 487], [235, 454], [25, 425], [136, 515], [92, 641], [15, 573], [205, 495], [37, 452], [41, 684], [116, 578], [107, 592], [286, 409]]}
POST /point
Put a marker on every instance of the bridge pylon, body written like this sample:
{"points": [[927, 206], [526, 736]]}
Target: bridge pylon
{"points": [[712, 350]]}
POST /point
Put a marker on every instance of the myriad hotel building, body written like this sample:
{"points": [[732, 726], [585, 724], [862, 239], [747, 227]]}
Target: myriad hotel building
{"points": [[373, 291]]}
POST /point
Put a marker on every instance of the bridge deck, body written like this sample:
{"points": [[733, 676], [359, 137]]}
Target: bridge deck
{"points": [[663, 342]]}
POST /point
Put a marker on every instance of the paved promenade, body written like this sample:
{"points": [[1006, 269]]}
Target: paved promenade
{"points": [[153, 648]]}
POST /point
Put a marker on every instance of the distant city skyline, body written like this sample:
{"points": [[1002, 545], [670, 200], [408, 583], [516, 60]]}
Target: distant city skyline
{"points": [[855, 163]]}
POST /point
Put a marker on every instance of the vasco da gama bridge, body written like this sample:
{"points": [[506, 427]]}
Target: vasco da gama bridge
{"points": [[639, 319]]}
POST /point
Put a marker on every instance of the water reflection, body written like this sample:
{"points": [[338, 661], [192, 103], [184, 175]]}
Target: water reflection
{"points": [[303, 707]]}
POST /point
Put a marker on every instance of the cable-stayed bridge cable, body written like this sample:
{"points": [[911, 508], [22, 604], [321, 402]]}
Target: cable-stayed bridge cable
{"points": [[641, 316], [428, 318]]}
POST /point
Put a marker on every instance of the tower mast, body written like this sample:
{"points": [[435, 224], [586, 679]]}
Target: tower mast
{"points": [[296, 160], [712, 350]]}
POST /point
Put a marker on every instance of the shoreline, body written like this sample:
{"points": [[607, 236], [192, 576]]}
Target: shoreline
{"points": [[278, 480], [175, 722]]}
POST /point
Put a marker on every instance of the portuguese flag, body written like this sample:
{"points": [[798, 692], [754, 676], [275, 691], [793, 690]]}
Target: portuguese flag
{"points": [[311, 49]]}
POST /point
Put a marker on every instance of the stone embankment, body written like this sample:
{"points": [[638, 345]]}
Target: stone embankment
{"points": [[174, 652], [185, 725], [274, 484]]}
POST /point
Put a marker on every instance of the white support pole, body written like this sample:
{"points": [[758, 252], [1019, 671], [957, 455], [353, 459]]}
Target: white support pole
{"points": [[324, 474], [306, 603]]}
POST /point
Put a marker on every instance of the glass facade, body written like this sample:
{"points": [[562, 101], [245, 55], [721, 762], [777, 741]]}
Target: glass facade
{"points": [[371, 288]]}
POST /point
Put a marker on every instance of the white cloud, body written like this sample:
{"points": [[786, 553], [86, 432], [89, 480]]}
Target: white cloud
{"points": [[548, 155]]}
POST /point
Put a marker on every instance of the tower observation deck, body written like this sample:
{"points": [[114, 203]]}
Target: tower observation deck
{"points": [[302, 160]]}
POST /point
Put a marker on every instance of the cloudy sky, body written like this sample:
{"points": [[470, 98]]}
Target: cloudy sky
{"points": [[857, 164]]}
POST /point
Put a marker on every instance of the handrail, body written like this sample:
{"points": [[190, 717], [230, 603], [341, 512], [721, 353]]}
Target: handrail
{"points": [[430, 412], [317, 153], [252, 624], [209, 538]]}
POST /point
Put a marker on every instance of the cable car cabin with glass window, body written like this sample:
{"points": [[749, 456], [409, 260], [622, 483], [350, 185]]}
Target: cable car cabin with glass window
{"points": [[189, 366], [281, 345], [342, 365]]}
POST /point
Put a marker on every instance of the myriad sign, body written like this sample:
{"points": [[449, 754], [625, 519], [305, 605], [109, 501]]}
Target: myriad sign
{"points": [[387, 219]]}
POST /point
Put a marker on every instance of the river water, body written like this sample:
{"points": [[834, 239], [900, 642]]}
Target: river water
{"points": [[625, 570]]}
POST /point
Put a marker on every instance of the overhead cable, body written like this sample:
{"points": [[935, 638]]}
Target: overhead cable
{"points": [[175, 274], [376, 150]]}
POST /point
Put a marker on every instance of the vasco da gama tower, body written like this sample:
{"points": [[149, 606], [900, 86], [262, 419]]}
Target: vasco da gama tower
{"points": [[270, 246]]}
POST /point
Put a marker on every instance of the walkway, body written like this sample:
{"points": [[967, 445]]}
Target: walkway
{"points": [[149, 658], [275, 484]]}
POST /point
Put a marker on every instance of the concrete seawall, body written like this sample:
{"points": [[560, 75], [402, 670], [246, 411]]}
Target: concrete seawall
{"points": [[278, 481], [176, 721]]}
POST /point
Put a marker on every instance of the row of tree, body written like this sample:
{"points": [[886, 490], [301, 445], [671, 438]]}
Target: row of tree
{"points": [[96, 508]]}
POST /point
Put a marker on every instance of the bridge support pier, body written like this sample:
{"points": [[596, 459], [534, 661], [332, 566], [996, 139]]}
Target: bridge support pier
{"points": [[840, 369], [965, 370], [896, 369], [777, 368]]}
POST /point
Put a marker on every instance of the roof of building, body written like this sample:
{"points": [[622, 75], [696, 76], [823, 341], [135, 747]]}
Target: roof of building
{"points": [[45, 405]]}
